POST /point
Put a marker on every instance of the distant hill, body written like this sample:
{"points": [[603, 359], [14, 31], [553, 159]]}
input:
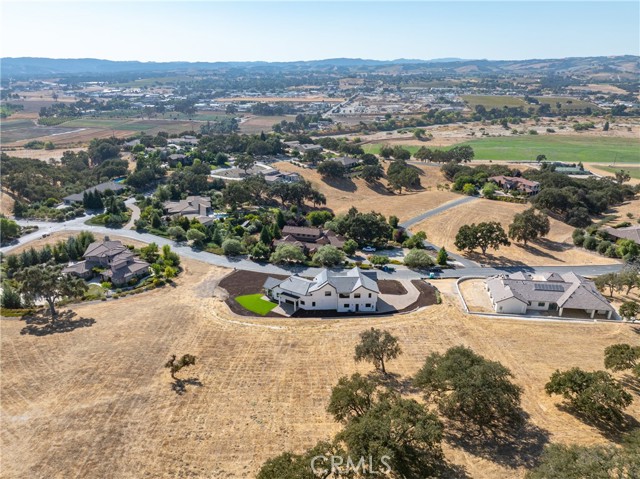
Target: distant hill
{"points": [[42, 67]]}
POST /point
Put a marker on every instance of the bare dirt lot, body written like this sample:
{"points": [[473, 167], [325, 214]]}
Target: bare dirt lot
{"points": [[344, 193], [96, 402], [556, 249], [476, 296]]}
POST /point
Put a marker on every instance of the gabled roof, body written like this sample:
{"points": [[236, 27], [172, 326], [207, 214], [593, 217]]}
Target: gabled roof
{"points": [[301, 230], [344, 282], [567, 290], [630, 232], [105, 249]]}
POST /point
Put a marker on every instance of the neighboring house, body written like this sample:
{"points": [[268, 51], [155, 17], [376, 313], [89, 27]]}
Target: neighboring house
{"points": [[347, 291], [273, 175], [309, 239], [117, 262], [630, 232], [198, 207], [516, 183], [521, 293], [102, 187], [346, 161], [176, 158], [302, 147]]}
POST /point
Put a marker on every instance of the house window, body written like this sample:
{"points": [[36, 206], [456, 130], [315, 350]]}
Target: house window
{"points": [[301, 302], [368, 305], [343, 296], [369, 294], [541, 305], [357, 295], [327, 293], [346, 305], [313, 303]]}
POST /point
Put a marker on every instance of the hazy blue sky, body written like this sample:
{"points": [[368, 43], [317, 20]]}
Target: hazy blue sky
{"points": [[305, 30]]}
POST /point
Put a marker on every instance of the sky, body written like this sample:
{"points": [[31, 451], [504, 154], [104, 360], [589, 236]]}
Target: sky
{"points": [[147, 30]]}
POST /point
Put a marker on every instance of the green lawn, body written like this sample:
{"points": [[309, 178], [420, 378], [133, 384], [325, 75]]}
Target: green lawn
{"points": [[255, 303], [570, 149], [375, 148]]}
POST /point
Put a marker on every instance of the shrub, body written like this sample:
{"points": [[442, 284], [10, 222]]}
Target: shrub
{"points": [[417, 258], [231, 247], [590, 243]]}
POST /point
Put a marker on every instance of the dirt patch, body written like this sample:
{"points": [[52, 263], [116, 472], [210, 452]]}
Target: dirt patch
{"points": [[476, 295], [391, 286], [428, 295]]}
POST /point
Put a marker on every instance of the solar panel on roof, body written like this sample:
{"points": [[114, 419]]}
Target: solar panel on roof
{"points": [[548, 287]]}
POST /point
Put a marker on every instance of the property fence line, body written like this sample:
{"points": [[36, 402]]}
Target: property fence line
{"points": [[558, 319]]}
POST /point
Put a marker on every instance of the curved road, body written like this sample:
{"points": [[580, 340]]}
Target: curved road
{"points": [[469, 267]]}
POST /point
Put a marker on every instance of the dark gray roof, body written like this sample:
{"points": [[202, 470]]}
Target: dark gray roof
{"points": [[567, 290], [79, 268], [102, 187], [344, 282]]}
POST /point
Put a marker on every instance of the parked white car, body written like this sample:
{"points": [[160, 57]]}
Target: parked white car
{"points": [[369, 249]]}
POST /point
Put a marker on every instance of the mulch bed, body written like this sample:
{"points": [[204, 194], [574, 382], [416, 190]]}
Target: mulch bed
{"points": [[427, 295], [391, 286], [242, 282]]}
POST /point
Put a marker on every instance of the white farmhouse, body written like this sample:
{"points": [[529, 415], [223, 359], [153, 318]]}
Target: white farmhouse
{"points": [[566, 294], [346, 292]]}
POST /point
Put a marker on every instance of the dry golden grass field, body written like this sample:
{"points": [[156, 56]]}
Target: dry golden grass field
{"points": [[555, 250], [96, 402], [345, 193]]}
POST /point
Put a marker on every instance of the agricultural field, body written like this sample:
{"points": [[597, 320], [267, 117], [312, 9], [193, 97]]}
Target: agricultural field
{"points": [[571, 149], [344, 193], [96, 400], [555, 250], [19, 130], [82, 130], [567, 104], [494, 101], [253, 125]]}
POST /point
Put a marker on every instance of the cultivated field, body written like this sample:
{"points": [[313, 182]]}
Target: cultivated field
{"points": [[571, 149], [96, 402], [81, 131], [345, 193], [255, 124], [554, 250], [499, 101]]}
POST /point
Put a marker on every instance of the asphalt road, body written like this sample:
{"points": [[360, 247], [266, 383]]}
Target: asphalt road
{"points": [[469, 268]]}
